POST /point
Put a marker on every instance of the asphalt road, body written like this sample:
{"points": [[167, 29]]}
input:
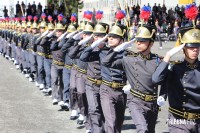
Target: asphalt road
{"points": [[24, 109]]}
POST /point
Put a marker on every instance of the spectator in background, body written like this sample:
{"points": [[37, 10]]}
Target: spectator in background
{"points": [[28, 10], [155, 9], [55, 13], [158, 33], [169, 29], [131, 14], [164, 9], [159, 9], [164, 27], [138, 10], [175, 32], [148, 5], [5, 12], [23, 7], [18, 9], [62, 8], [177, 8], [198, 22], [34, 6], [39, 8]]}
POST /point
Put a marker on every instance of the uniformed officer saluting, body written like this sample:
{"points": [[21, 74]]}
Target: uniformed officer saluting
{"points": [[182, 81], [94, 78], [139, 68]]}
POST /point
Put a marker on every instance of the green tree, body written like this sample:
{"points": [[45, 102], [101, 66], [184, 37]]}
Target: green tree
{"points": [[71, 6]]}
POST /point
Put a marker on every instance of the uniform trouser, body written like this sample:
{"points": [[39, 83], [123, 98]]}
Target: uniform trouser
{"points": [[4, 47], [177, 124], [56, 81], [13, 52], [113, 102], [1, 45], [94, 107], [40, 69], [19, 55], [159, 39], [47, 68], [82, 99], [32, 62], [8, 49], [66, 82], [25, 59], [144, 114], [73, 89]]}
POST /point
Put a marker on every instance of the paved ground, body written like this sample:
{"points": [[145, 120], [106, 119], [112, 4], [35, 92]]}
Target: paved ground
{"points": [[24, 109]]}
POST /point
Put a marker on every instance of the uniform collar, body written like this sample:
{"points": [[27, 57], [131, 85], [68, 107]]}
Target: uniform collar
{"points": [[192, 66], [145, 57]]}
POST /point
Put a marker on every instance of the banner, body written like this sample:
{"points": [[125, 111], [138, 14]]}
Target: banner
{"points": [[185, 1]]}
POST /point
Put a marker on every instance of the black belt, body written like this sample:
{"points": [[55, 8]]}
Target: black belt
{"points": [[142, 96], [114, 85], [95, 81], [185, 115]]}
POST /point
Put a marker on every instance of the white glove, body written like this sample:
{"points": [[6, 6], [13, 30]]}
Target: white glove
{"points": [[51, 33], [61, 37], [71, 34], [124, 46], [160, 101], [84, 41], [45, 33], [33, 53], [98, 42], [78, 36], [175, 50], [127, 89]]}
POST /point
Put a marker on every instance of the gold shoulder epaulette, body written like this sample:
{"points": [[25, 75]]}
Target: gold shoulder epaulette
{"points": [[176, 62], [131, 53]]}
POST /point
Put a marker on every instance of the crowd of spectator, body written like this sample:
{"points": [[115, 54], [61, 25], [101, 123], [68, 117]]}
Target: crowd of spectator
{"points": [[166, 20], [52, 9]]}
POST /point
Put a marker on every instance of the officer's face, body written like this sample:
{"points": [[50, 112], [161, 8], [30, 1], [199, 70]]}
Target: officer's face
{"points": [[97, 37], [143, 45], [23, 29], [42, 29], [28, 30], [192, 53], [114, 41], [34, 30], [86, 35], [59, 33]]}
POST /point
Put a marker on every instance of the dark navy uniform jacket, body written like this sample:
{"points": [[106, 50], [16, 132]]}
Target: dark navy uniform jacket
{"points": [[67, 45], [138, 69], [94, 68], [57, 53], [107, 73], [183, 84], [75, 53], [46, 44], [32, 38]]}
